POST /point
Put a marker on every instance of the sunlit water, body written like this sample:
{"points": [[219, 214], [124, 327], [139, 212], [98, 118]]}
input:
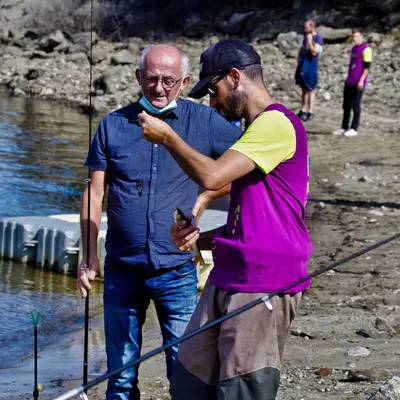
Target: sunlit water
{"points": [[42, 150]]}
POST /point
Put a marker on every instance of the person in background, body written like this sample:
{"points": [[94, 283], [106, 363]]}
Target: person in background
{"points": [[144, 186], [307, 68], [357, 78]]}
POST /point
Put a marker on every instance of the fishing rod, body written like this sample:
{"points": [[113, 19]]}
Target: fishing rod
{"points": [[88, 180], [35, 321], [264, 299]]}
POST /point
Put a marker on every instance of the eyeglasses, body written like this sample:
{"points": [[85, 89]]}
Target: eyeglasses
{"points": [[168, 82], [211, 88]]}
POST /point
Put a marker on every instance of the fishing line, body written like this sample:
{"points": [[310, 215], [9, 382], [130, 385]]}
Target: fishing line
{"points": [[88, 180], [264, 299]]}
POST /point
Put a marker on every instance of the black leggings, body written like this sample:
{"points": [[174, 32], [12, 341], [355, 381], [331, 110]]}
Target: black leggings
{"points": [[351, 100]]}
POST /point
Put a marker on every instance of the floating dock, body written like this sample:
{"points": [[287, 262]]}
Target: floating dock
{"points": [[54, 241]]}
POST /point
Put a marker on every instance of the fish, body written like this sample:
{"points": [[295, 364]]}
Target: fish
{"points": [[180, 216]]}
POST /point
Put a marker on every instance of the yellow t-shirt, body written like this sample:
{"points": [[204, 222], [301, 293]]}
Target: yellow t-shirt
{"points": [[268, 141], [367, 55]]}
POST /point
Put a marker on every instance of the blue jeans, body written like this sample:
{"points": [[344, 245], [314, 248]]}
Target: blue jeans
{"points": [[127, 294]]}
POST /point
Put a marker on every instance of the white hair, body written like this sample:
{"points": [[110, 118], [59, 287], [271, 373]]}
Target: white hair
{"points": [[184, 57]]}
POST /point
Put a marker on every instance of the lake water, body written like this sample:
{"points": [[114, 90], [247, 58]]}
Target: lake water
{"points": [[42, 150]]}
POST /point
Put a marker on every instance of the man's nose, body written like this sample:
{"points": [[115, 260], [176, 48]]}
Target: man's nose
{"points": [[159, 88]]}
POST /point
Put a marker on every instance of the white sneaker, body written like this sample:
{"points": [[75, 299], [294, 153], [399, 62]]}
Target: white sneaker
{"points": [[350, 133], [339, 132]]}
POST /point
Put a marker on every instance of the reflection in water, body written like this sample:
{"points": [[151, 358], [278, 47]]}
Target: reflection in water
{"points": [[42, 150], [25, 289]]}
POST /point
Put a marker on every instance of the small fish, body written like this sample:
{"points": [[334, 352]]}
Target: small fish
{"points": [[180, 216]]}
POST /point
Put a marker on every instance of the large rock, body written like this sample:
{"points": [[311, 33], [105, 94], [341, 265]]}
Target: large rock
{"points": [[83, 39], [50, 42], [77, 58], [332, 35], [123, 57], [98, 55], [390, 390], [237, 22], [289, 43]]}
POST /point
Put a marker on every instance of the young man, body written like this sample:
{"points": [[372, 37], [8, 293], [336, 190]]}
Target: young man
{"points": [[307, 68], [360, 62], [264, 245], [144, 187]]}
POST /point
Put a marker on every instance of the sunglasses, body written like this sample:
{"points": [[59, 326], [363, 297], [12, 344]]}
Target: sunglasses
{"points": [[212, 88]]}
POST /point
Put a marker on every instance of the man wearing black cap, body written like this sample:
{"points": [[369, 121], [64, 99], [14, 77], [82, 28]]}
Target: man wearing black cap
{"points": [[264, 245]]}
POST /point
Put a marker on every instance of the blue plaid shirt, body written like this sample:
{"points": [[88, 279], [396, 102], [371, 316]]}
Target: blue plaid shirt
{"points": [[145, 183]]}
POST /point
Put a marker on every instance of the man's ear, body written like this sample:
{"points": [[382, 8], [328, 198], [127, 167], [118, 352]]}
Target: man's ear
{"points": [[137, 72], [186, 81], [236, 76]]}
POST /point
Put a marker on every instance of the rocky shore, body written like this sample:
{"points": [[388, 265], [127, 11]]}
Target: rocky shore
{"points": [[56, 66]]}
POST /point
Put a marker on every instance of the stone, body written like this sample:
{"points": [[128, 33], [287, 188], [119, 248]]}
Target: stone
{"points": [[358, 352], [77, 58], [383, 325], [377, 213], [19, 92], [50, 42], [390, 390], [367, 375], [375, 38], [98, 55], [326, 96], [83, 38], [32, 74], [237, 22], [369, 333], [46, 92], [332, 35], [289, 40], [123, 57]]}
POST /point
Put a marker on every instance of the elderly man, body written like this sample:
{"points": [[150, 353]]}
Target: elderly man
{"points": [[265, 244], [144, 186]]}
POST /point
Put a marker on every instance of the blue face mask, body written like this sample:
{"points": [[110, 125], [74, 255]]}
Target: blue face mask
{"points": [[154, 110]]}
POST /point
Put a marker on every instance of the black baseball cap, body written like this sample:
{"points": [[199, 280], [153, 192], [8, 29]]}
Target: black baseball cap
{"points": [[220, 57]]}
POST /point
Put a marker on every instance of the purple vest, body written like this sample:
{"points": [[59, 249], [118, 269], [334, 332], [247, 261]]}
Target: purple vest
{"points": [[356, 65], [265, 244]]}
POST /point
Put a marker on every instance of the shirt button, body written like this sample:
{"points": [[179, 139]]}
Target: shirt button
{"points": [[154, 168], [151, 192], [156, 145]]}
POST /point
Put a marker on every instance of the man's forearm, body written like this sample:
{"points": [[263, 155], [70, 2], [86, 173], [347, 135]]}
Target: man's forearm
{"points": [[363, 76], [197, 166], [216, 194], [96, 205]]}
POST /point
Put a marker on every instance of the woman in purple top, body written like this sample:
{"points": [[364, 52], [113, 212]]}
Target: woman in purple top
{"points": [[360, 61], [307, 68]]}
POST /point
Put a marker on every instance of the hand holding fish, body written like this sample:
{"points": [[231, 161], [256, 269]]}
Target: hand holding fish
{"points": [[154, 130], [184, 235]]}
